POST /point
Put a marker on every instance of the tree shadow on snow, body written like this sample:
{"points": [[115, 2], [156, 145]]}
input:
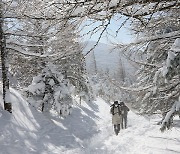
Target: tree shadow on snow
{"points": [[165, 138], [34, 132], [166, 151]]}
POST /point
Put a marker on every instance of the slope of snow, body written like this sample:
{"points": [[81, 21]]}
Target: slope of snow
{"points": [[88, 130], [27, 131]]}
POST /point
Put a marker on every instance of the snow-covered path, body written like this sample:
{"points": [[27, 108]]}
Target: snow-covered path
{"points": [[141, 137], [88, 130]]}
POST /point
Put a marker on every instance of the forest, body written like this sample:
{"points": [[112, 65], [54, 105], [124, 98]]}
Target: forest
{"points": [[42, 55]]}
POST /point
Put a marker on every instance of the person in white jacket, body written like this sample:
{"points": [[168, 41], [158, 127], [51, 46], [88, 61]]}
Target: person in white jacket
{"points": [[116, 116]]}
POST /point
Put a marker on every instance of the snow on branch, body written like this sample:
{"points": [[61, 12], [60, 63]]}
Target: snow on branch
{"points": [[176, 46], [9, 33], [144, 40], [175, 110], [131, 88], [24, 52], [11, 42], [174, 34]]}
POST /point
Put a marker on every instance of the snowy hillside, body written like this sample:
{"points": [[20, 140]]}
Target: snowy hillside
{"points": [[88, 130], [106, 58]]}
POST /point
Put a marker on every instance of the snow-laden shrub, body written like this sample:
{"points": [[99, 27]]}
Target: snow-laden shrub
{"points": [[168, 118], [50, 91]]}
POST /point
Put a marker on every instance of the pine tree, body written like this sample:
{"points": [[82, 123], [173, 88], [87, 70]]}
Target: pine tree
{"points": [[51, 91]]}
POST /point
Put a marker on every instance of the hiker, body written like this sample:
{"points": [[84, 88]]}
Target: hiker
{"points": [[124, 112], [116, 116]]}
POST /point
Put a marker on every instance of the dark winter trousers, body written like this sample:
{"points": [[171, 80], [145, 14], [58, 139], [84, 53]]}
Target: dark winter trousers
{"points": [[124, 122], [117, 129]]}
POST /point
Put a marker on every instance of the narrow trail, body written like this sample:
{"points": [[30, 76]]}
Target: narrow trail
{"points": [[141, 137], [88, 130]]}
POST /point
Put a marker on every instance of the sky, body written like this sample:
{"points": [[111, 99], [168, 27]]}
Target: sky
{"points": [[124, 35]]}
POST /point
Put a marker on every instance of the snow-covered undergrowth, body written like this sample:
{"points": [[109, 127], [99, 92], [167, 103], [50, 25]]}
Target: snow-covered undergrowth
{"points": [[88, 130]]}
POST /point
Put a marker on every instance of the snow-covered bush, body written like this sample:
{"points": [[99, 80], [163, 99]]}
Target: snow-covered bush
{"points": [[168, 118], [50, 91]]}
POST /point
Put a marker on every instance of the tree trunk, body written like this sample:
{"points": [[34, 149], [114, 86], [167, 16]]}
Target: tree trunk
{"points": [[80, 100], [4, 53], [95, 64]]}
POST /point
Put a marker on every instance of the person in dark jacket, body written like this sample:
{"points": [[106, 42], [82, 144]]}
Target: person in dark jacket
{"points": [[124, 111], [116, 116]]}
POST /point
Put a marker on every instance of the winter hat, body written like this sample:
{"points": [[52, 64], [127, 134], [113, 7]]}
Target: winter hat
{"points": [[122, 103], [115, 102]]}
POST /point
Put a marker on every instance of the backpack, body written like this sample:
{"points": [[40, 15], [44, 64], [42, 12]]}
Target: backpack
{"points": [[112, 109]]}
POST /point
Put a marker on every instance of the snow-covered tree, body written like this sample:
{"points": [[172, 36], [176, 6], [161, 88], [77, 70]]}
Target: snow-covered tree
{"points": [[48, 46], [158, 77], [72, 66], [29, 30], [157, 25], [51, 91], [12, 37]]}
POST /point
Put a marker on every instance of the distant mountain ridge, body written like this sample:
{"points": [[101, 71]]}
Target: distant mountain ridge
{"points": [[106, 59]]}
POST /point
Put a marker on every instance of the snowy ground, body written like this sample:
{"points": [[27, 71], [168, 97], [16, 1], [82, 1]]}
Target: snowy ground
{"points": [[88, 130]]}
